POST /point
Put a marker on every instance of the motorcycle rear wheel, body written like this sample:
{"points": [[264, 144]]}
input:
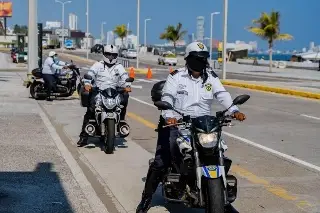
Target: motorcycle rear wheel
{"points": [[215, 196], [109, 137], [34, 88]]}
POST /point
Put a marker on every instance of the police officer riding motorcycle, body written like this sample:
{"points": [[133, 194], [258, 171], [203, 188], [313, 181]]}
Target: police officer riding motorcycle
{"points": [[189, 90], [104, 74], [49, 72]]}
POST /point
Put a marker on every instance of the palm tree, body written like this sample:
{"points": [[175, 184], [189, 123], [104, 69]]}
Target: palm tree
{"points": [[268, 28], [121, 31], [173, 34]]}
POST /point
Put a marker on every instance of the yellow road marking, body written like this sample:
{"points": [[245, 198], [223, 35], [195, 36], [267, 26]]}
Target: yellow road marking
{"points": [[276, 190]]}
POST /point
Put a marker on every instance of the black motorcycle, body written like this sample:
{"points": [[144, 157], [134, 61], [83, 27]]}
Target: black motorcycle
{"points": [[107, 115], [198, 176], [66, 83]]}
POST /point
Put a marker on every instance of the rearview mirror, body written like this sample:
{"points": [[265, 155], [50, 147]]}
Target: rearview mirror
{"points": [[163, 105], [130, 79], [241, 99]]}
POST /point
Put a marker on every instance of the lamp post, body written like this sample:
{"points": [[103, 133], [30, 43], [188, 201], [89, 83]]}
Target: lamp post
{"points": [[62, 26], [224, 52], [212, 14], [138, 29], [87, 43], [33, 38], [145, 31], [102, 34]]}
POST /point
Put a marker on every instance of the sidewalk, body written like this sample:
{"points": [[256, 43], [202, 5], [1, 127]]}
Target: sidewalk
{"points": [[35, 166], [6, 63]]}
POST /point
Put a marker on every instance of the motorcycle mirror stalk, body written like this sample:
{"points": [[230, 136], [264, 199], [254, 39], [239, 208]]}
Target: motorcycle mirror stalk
{"points": [[239, 100]]}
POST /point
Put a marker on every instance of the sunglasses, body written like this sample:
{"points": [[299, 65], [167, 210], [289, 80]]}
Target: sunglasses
{"points": [[114, 55]]}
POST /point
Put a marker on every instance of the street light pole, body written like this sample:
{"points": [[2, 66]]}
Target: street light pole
{"points": [[62, 24], [224, 53], [145, 31], [102, 34], [33, 37], [87, 43], [212, 14], [138, 29]]}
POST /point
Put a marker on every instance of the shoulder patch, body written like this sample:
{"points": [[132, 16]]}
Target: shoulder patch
{"points": [[213, 74], [174, 72]]}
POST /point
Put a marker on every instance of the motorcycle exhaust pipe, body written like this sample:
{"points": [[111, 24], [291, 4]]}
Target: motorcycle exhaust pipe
{"points": [[124, 129], [90, 129]]}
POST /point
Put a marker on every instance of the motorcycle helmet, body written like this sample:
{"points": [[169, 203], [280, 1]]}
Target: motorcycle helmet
{"points": [[196, 56], [156, 91], [110, 54]]}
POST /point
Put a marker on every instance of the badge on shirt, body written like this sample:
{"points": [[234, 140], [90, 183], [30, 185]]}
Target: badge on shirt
{"points": [[181, 86], [208, 87]]}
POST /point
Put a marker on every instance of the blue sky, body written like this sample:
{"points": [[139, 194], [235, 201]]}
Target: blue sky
{"points": [[299, 17]]}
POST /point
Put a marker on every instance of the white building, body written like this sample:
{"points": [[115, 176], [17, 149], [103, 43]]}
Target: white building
{"points": [[200, 29], [73, 21], [110, 37], [52, 25], [311, 45], [130, 42]]}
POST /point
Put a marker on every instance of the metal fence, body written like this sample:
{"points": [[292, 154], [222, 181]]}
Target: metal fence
{"points": [[125, 62]]}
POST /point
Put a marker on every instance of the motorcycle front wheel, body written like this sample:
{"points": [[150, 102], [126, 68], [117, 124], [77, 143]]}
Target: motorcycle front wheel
{"points": [[215, 196], [109, 137]]}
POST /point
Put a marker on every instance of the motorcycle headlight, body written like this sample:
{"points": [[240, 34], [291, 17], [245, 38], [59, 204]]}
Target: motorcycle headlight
{"points": [[109, 103], [208, 140]]}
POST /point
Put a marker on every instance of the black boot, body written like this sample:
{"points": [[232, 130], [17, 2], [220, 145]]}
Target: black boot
{"points": [[153, 179], [82, 141]]}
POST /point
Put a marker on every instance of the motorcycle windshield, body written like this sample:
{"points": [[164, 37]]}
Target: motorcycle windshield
{"points": [[109, 93], [205, 124]]}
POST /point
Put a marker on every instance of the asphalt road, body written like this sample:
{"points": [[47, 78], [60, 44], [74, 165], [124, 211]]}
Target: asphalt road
{"points": [[275, 152], [165, 69]]}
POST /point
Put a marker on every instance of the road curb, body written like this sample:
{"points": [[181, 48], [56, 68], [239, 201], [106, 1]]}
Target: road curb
{"points": [[279, 90]]}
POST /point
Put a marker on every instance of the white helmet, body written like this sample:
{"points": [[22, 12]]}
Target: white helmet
{"points": [[52, 53], [110, 54], [196, 49]]}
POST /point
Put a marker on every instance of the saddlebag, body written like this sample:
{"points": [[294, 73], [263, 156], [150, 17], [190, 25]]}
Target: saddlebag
{"points": [[37, 73], [84, 97]]}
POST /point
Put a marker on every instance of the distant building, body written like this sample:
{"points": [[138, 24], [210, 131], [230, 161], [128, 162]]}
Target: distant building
{"points": [[110, 37], [200, 29], [52, 25], [190, 40], [304, 50], [130, 42], [73, 22]]}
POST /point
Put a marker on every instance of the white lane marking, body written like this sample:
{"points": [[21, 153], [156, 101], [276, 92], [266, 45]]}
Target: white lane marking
{"points": [[136, 86], [309, 116], [288, 157], [283, 155], [143, 102], [143, 80]]}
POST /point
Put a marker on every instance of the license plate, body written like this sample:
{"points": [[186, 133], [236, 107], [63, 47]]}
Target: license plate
{"points": [[109, 115]]}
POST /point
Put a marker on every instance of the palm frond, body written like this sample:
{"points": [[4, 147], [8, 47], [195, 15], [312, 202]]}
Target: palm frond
{"points": [[284, 37]]}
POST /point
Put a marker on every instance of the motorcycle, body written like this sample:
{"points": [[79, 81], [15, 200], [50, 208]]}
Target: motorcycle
{"points": [[107, 116], [198, 175], [66, 83]]}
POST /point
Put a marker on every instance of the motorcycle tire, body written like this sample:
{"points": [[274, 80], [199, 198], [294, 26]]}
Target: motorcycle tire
{"points": [[215, 196], [110, 136], [33, 90]]}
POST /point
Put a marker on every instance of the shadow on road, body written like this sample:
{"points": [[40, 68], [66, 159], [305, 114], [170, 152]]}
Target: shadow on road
{"points": [[94, 142], [37, 191], [158, 200]]}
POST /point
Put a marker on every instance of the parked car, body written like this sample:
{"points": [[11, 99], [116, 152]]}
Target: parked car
{"points": [[131, 53], [168, 58], [97, 48]]}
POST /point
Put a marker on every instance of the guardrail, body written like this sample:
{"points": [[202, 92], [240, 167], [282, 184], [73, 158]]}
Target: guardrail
{"points": [[125, 62]]}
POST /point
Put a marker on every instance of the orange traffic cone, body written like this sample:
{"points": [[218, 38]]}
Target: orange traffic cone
{"points": [[171, 70], [149, 73], [131, 73]]}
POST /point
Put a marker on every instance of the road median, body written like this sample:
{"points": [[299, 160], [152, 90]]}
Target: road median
{"points": [[267, 88], [81, 59]]}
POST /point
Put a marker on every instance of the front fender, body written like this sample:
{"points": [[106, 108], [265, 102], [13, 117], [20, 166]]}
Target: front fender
{"points": [[213, 171], [108, 115]]}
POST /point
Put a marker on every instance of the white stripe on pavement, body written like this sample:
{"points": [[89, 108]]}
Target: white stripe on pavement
{"points": [[309, 116], [136, 86], [264, 148]]}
